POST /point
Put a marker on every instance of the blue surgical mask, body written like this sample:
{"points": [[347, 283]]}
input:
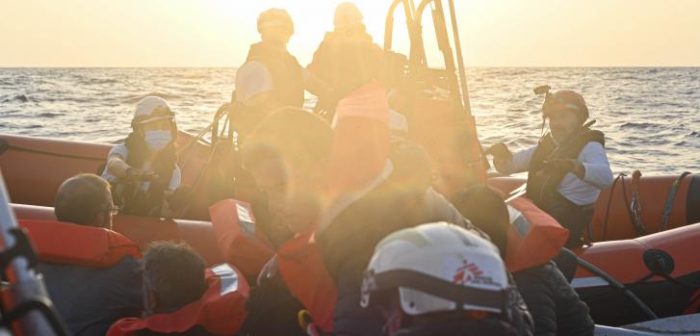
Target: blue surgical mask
{"points": [[157, 140]]}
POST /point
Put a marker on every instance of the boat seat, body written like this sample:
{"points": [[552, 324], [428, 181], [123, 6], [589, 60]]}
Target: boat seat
{"points": [[144, 230]]}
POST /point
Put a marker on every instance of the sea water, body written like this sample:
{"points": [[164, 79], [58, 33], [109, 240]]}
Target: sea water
{"points": [[650, 116]]}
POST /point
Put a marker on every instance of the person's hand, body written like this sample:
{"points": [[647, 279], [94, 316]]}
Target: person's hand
{"points": [[502, 157], [499, 150], [564, 165]]}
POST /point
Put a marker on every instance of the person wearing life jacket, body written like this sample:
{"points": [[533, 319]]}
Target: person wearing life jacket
{"points": [[292, 168], [143, 170], [553, 303], [289, 78], [272, 308], [347, 57], [182, 297], [567, 169], [92, 274], [440, 279]]}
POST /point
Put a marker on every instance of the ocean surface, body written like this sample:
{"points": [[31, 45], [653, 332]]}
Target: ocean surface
{"points": [[651, 116]]}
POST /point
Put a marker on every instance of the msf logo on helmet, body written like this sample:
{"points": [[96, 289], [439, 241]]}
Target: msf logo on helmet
{"points": [[467, 273]]}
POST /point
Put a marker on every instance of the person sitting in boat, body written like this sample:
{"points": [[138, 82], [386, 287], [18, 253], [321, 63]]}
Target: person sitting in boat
{"points": [[183, 297], [85, 199], [567, 169], [143, 170], [289, 78], [89, 294], [347, 57], [292, 168], [553, 303], [173, 276], [440, 279]]}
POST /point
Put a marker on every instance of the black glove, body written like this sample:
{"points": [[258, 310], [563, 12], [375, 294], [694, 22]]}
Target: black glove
{"points": [[499, 152]]}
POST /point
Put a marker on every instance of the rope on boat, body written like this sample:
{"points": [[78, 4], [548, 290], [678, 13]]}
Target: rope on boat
{"points": [[612, 282], [668, 206]]}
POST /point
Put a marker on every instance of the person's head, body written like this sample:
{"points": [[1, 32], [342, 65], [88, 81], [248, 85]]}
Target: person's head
{"points": [[433, 274], [288, 155], [567, 111], [254, 96], [486, 209], [347, 17], [173, 276], [85, 199], [413, 170], [275, 26], [154, 122]]}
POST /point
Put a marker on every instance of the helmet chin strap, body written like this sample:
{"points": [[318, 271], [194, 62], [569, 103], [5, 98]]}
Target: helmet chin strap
{"points": [[393, 321]]}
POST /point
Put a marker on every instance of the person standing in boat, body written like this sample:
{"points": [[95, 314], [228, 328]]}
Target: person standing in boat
{"points": [[567, 169], [289, 78], [347, 58], [143, 170]]}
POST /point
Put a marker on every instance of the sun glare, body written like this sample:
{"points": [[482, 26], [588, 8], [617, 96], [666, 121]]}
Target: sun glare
{"points": [[311, 19]]}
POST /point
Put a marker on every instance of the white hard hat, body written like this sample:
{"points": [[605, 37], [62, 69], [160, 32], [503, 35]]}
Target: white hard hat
{"points": [[252, 80], [438, 267], [151, 108]]}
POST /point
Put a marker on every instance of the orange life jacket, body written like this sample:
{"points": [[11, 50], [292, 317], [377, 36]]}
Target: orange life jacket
{"points": [[534, 237], [356, 160], [221, 310], [241, 243], [73, 244], [302, 268]]}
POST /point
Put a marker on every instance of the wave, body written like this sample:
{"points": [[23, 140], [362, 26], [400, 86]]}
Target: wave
{"points": [[20, 98], [49, 115], [640, 125]]}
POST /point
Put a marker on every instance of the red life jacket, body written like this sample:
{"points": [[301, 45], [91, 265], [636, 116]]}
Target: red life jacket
{"points": [[221, 310], [241, 243], [73, 244], [302, 268], [534, 237]]}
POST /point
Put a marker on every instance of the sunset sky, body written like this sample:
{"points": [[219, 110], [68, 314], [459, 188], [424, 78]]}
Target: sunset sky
{"points": [[218, 32]]}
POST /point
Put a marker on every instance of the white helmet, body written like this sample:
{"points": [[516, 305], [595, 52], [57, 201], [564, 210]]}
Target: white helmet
{"points": [[151, 108], [438, 267], [253, 81]]}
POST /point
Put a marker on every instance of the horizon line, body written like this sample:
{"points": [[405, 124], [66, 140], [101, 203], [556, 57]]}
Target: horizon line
{"points": [[234, 67]]}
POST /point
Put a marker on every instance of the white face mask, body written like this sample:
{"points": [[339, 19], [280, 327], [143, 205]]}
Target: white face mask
{"points": [[157, 140]]}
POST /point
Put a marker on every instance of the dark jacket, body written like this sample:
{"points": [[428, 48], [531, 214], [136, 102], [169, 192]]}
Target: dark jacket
{"points": [[347, 60], [89, 300], [553, 303], [286, 72], [348, 242]]}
